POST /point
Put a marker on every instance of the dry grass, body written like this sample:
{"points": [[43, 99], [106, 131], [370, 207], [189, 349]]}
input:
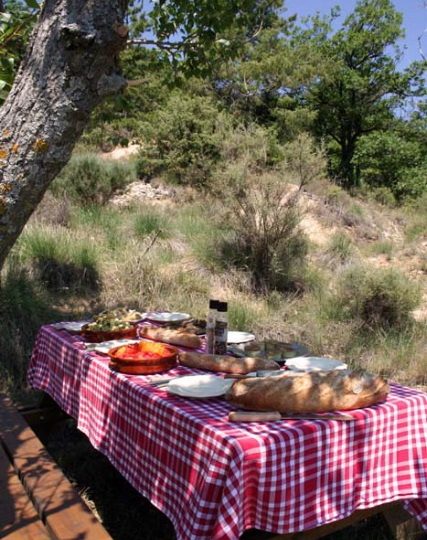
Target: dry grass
{"points": [[179, 270]]}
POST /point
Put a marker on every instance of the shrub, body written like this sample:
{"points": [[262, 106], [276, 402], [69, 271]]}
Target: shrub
{"points": [[388, 159], [383, 195], [378, 299], [264, 238], [412, 183], [89, 180], [112, 133], [253, 145], [182, 140], [304, 162]]}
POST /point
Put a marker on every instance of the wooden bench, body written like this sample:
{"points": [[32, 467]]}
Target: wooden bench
{"points": [[37, 502]]}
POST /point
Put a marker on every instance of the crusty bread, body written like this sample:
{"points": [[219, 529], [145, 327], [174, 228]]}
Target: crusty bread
{"points": [[174, 337], [309, 392], [227, 364]]}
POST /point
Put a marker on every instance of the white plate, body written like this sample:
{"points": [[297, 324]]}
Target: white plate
{"points": [[314, 363], [105, 346], [239, 337], [70, 326], [166, 316], [199, 386]]}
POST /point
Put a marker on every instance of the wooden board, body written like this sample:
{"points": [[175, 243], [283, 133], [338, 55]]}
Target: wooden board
{"points": [[18, 518], [62, 510]]}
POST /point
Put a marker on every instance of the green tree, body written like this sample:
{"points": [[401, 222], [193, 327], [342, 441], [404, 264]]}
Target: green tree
{"points": [[363, 87], [267, 82], [16, 22], [72, 65], [387, 159]]}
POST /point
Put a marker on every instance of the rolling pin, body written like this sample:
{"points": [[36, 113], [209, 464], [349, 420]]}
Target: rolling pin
{"points": [[274, 416]]}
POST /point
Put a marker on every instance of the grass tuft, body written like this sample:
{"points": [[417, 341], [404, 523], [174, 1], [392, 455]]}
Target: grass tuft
{"points": [[151, 222], [60, 261]]}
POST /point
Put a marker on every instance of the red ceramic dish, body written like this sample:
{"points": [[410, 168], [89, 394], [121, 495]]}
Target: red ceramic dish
{"points": [[143, 358]]}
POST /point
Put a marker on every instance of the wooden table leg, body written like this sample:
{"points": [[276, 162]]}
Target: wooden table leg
{"points": [[399, 521], [402, 525]]}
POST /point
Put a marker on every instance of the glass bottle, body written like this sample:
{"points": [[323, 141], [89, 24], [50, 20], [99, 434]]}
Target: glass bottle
{"points": [[210, 326], [221, 328]]}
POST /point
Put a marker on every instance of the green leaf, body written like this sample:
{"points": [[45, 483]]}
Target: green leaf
{"points": [[32, 4]]}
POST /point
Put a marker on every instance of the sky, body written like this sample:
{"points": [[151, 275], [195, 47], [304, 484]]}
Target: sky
{"points": [[414, 20]]}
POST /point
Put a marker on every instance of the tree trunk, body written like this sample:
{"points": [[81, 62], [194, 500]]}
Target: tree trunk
{"points": [[346, 162], [71, 64]]}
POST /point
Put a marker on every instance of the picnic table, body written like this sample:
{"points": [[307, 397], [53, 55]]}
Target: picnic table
{"points": [[214, 479]]}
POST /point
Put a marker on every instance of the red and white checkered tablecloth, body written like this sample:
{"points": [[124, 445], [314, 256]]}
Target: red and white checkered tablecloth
{"points": [[215, 479]]}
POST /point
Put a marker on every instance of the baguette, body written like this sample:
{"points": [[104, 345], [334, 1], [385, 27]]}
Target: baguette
{"points": [[226, 364], [174, 337], [309, 392]]}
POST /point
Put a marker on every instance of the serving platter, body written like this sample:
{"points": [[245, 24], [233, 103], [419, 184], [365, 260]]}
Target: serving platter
{"points": [[199, 386], [314, 363], [166, 316], [234, 337], [70, 326]]}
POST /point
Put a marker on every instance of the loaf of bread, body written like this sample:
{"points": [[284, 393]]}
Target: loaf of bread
{"points": [[227, 364], [174, 337], [309, 392]]}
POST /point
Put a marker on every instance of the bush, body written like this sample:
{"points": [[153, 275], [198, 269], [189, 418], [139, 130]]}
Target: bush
{"points": [[412, 183], [253, 145], [182, 140], [89, 180], [118, 132], [379, 299], [304, 162], [264, 236], [387, 159], [383, 195]]}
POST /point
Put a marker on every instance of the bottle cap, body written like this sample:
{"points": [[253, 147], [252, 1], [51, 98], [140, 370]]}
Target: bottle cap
{"points": [[213, 304], [222, 306]]}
